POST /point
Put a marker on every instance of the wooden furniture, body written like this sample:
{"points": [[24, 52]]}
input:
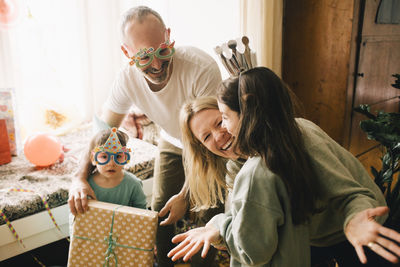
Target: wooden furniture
{"points": [[335, 57]]}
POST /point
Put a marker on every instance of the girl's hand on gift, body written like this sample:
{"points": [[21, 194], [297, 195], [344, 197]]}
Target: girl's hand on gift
{"points": [[78, 196], [192, 241], [363, 230]]}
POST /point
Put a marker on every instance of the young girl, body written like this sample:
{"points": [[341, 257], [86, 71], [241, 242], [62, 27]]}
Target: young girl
{"points": [[109, 181], [326, 187]]}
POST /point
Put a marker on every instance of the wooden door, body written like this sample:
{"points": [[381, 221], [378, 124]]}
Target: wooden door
{"points": [[378, 58], [316, 51]]}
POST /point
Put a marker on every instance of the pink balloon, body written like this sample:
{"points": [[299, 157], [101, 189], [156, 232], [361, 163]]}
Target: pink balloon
{"points": [[42, 149], [9, 12]]}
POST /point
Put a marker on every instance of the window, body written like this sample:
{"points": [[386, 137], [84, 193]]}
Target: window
{"points": [[62, 56]]}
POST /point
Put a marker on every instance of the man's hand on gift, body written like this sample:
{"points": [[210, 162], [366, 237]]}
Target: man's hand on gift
{"points": [[176, 206], [78, 196]]}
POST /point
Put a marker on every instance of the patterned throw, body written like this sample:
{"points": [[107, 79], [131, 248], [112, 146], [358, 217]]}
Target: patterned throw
{"points": [[10, 226], [12, 229], [54, 182], [46, 205]]}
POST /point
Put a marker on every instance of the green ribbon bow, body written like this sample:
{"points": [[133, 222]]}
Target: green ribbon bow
{"points": [[112, 242]]}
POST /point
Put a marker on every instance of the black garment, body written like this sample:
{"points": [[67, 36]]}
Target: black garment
{"points": [[345, 255]]}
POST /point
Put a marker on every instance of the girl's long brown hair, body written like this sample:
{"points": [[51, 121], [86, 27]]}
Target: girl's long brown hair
{"points": [[267, 128]]}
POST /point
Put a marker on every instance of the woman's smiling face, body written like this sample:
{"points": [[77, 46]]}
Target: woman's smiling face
{"points": [[206, 126]]}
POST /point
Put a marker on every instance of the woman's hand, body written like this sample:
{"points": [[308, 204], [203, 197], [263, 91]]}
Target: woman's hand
{"points": [[192, 241], [363, 230], [177, 206]]}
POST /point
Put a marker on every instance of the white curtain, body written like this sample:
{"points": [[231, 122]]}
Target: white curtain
{"points": [[63, 55], [261, 21], [49, 56]]}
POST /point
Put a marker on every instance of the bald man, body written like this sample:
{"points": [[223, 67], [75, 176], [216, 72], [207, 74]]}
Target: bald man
{"points": [[158, 80]]}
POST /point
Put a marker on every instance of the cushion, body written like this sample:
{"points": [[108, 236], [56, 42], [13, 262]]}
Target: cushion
{"points": [[142, 158]]}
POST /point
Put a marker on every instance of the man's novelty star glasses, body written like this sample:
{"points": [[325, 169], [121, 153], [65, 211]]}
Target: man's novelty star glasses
{"points": [[145, 56]]}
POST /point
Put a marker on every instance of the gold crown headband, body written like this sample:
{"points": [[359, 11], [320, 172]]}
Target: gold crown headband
{"points": [[235, 55]]}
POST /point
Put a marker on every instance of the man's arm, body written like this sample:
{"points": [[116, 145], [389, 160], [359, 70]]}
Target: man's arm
{"points": [[111, 118], [80, 189]]}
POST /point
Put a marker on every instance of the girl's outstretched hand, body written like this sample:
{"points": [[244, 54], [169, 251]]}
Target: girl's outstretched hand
{"points": [[192, 241], [363, 230]]}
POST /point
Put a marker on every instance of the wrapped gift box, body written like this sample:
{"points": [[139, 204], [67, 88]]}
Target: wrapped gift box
{"points": [[5, 152], [113, 235], [7, 112]]}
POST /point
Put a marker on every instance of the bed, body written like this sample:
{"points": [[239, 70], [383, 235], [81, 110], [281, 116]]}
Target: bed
{"points": [[24, 190]]}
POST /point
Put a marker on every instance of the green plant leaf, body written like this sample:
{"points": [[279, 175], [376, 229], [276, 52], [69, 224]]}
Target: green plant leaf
{"points": [[365, 110], [384, 127], [386, 160], [374, 172], [387, 176], [396, 148], [397, 81]]}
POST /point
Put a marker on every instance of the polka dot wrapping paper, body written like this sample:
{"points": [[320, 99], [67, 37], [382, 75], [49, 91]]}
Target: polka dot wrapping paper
{"points": [[113, 235]]}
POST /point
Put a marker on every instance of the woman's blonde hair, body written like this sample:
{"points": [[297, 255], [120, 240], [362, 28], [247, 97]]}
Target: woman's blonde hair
{"points": [[205, 172]]}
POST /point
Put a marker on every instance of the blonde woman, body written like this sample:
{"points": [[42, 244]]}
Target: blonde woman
{"points": [[206, 161]]}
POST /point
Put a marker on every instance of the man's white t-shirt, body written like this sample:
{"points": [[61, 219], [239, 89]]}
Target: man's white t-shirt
{"points": [[194, 74]]}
